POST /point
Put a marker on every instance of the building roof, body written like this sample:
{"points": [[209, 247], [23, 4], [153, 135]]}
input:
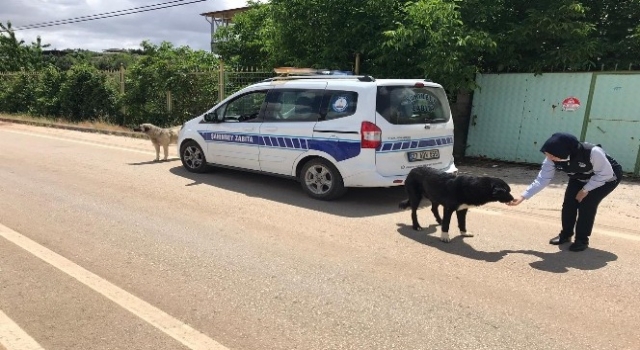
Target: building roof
{"points": [[227, 13]]}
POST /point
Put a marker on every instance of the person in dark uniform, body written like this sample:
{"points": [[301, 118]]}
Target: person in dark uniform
{"points": [[593, 174]]}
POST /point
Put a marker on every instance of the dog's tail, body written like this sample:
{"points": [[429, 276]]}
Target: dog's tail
{"points": [[404, 204]]}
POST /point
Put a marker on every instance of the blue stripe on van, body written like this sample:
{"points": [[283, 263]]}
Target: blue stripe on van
{"points": [[339, 149], [395, 146]]}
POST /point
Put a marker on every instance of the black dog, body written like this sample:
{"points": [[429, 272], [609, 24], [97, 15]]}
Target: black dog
{"points": [[454, 192]]}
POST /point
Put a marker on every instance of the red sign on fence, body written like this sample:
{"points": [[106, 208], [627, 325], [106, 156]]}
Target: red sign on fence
{"points": [[570, 104]]}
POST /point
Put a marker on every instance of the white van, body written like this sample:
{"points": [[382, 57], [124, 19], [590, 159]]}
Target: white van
{"points": [[329, 132]]}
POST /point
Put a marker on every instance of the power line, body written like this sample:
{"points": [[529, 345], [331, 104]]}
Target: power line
{"points": [[96, 15], [102, 16], [110, 14]]}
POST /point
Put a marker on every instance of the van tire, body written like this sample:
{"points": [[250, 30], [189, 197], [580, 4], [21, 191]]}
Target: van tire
{"points": [[321, 180]]}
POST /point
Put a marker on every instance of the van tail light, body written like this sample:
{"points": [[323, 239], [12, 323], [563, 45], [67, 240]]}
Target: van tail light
{"points": [[371, 135]]}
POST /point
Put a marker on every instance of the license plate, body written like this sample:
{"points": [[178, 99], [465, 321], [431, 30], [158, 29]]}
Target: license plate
{"points": [[418, 156]]}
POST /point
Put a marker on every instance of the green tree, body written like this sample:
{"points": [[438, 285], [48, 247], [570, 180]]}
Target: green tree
{"points": [[107, 60], [88, 94], [433, 41], [17, 92], [249, 41], [114, 60], [15, 55], [616, 31], [67, 58], [46, 96], [448, 40], [329, 33], [532, 36], [552, 35], [190, 76], [303, 33]]}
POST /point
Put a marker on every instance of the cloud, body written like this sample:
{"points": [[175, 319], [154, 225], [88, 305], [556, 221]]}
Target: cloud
{"points": [[180, 25]]}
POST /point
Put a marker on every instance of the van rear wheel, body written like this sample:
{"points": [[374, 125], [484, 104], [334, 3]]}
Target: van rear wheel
{"points": [[321, 180]]}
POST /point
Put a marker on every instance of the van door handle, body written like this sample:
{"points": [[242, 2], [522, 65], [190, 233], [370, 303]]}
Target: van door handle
{"points": [[273, 128], [248, 129]]}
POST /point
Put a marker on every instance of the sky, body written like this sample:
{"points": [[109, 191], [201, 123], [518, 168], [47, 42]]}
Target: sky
{"points": [[180, 25]]}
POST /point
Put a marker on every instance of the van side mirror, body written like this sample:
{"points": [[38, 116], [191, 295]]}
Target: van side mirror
{"points": [[211, 117]]}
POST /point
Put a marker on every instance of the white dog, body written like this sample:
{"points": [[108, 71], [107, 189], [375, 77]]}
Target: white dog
{"points": [[159, 137]]}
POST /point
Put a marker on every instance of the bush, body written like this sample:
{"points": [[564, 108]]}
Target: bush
{"points": [[17, 95], [190, 76], [192, 94], [47, 101], [88, 95]]}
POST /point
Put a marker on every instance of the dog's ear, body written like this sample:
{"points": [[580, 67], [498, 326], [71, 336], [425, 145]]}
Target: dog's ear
{"points": [[500, 189], [497, 190], [500, 185], [502, 192]]}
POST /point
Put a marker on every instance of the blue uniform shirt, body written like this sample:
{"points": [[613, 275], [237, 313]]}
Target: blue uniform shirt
{"points": [[601, 167]]}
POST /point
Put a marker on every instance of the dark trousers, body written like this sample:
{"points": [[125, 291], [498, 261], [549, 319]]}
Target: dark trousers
{"points": [[586, 210]]}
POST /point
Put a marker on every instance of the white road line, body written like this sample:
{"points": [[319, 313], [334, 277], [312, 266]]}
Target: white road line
{"points": [[166, 323], [12, 337]]}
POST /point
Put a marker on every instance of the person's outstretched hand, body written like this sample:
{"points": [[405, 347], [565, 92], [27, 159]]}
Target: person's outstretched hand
{"points": [[516, 201]]}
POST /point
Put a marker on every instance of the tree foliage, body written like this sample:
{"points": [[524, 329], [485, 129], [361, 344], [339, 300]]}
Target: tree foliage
{"points": [[17, 92], [447, 40], [249, 41], [329, 33], [552, 35], [108, 60], [47, 98], [307, 33], [190, 76], [15, 55], [88, 94], [436, 41], [616, 31], [533, 36]]}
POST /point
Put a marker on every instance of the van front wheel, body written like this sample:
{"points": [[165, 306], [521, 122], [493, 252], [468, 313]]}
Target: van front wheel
{"points": [[321, 180], [193, 158]]}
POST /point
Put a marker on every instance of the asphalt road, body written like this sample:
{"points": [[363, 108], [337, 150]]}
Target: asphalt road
{"points": [[101, 248]]}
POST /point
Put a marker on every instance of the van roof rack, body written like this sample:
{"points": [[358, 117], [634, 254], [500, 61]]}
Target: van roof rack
{"points": [[285, 71], [365, 78], [293, 73]]}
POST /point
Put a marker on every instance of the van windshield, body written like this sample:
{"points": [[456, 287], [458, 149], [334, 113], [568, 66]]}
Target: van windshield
{"points": [[412, 105]]}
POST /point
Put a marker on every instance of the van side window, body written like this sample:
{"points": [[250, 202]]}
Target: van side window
{"points": [[245, 108], [340, 104], [293, 105]]}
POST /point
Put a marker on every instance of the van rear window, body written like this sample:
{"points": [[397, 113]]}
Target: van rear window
{"points": [[412, 105]]}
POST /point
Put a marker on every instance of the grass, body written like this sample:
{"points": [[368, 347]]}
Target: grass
{"points": [[60, 121]]}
